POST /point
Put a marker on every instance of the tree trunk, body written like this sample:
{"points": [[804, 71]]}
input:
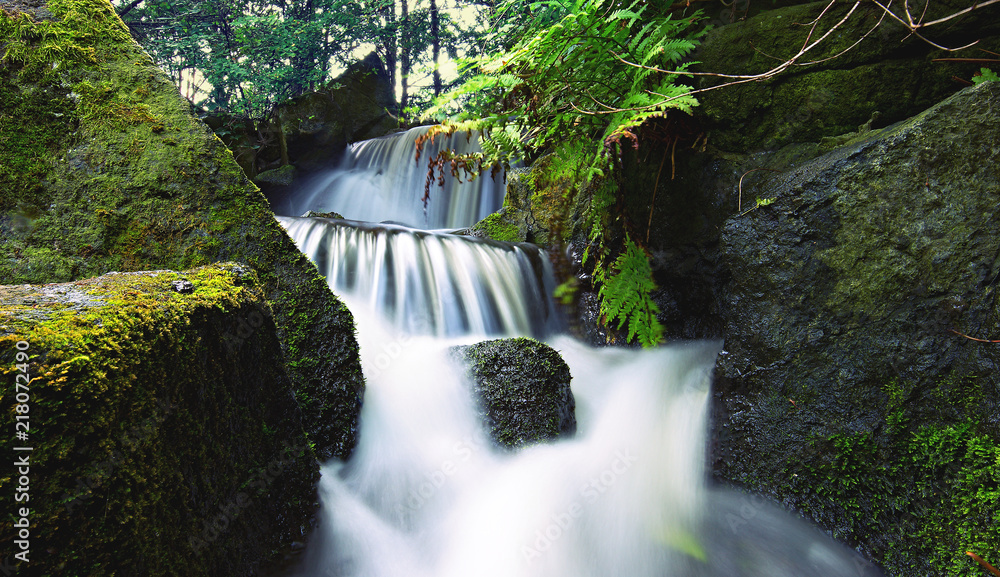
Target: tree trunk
{"points": [[436, 47], [404, 55], [389, 43]]}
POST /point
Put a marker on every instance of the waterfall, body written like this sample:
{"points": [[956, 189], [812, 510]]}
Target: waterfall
{"points": [[433, 282], [426, 495], [383, 180]]}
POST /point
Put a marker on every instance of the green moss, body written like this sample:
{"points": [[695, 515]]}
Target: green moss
{"points": [[884, 72], [921, 497], [522, 386], [147, 418], [281, 176], [495, 226]]}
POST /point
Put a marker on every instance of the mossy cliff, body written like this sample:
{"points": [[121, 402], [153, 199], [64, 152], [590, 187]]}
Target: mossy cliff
{"points": [[845, 388], [522, 389], [160, 444], [885, 71], [688, 173], [105, 169]]}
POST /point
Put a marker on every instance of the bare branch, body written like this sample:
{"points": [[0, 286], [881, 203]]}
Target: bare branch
{"points": [[807, 45], [913, 27], [976, 6], [849, 48]]}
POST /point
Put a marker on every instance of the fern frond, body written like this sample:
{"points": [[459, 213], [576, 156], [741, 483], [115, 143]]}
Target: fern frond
{"points": [[625, 296]]}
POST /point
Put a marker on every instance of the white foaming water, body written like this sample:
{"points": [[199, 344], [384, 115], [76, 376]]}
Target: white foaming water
{"points": [[433, 282], [426, 495], [382, 180]]}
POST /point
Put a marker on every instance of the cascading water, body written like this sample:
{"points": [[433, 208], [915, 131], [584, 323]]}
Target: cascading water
{"points": [[433, 282], [368, 184], [426, 495]]}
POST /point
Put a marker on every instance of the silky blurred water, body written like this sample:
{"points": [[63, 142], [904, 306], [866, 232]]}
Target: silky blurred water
{"points": [[383, 180], [426, 494]]}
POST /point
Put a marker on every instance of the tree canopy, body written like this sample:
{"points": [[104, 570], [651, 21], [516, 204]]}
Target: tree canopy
{"points": [[242, 58]]}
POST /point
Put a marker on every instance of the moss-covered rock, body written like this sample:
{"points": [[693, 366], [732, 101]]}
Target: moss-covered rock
{"points": [[845, 390], [498, 226], [281, 176], [162, 424], [105, 169], [522, 387], [315, 214], [534, 207]]}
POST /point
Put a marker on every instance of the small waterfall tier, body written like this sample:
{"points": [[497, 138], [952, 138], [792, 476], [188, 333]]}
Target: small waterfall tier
{"points": [[430, 282], [383, 180]]}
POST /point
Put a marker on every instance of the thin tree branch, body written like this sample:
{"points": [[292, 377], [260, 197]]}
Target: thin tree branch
{"points": [[793, 61], [976, 6], [129, 8], [849, 48], [914, 26]]}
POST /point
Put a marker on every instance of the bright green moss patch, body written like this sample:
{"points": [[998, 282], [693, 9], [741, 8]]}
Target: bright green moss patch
{"points": [[157, 402]]}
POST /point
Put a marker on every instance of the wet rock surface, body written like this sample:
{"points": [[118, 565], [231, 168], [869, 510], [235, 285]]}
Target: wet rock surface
{"points": [[843, 303], [522, 387]]}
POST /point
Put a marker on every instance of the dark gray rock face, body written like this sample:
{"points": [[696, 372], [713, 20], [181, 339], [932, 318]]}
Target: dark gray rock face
{"points": [[844, 388], [355, 106], [311, 131], [522, 387]]}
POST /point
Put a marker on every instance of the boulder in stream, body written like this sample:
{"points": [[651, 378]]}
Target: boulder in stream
{"points": [[522, 388]]}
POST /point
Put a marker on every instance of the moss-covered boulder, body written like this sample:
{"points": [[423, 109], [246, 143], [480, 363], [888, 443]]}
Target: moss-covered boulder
{"points": [[532, 209], [105, 169], [522, 389], [500, 226], [847, 388], [157, 440]]}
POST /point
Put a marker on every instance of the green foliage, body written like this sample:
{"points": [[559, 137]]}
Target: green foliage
{"points": [[760, 202], [581, 79], [244, 57], [625, 296], [985, 75]]}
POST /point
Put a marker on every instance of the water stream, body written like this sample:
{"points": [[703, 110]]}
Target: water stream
{"points": [[368, 183], [425, 494]]}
